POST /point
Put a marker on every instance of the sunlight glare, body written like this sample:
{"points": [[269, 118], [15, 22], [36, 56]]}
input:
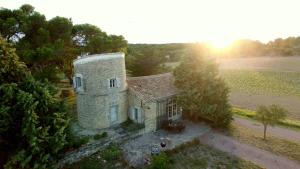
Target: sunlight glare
{"points": [[220, 43]]}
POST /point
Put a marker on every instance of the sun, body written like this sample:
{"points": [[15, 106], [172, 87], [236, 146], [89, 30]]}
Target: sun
{"points": [[219, 43]]}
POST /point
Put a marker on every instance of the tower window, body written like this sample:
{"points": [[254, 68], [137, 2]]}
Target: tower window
{"points": [[136, 114], [78, 82], [113, 82]]}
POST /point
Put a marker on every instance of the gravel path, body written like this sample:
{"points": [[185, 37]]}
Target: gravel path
{"points": [[247, 152], [275, 131], [138, 149]]}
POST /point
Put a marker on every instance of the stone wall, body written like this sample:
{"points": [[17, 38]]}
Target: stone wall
{"points": [[148, 111], [94, 102], [150, 117]]}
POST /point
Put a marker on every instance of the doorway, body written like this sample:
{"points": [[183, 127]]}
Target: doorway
{"points": [[113, 114]]}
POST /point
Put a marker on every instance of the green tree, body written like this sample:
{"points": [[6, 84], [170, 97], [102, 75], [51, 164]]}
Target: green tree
{"points": [[60, 28], [90, 39], [49, 47], [83, 33], [270, 115], [144, 61], [32, 121], [203, 94]]}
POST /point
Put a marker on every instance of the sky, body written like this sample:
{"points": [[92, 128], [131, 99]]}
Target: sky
{"points": [[171, 21]]}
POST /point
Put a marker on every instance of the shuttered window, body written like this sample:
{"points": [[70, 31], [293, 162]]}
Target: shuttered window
{"points": [[78, 82], [114, 82]]}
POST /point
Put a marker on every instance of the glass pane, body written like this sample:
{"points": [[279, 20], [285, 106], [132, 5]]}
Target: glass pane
{"points": [[135, 113], [78, 81]]}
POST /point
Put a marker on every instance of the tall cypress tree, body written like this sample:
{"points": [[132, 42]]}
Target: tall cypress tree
{"points": [[203, 94]]}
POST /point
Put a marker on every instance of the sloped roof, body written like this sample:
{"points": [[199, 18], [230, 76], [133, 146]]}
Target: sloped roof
{"points": [[154, 87]]}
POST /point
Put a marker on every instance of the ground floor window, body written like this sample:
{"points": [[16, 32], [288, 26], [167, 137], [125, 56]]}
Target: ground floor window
{"points": [[172, 109], [136, 114]]}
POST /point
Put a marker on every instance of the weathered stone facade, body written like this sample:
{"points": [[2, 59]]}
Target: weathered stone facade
{"points": [[94, 102], [103, 97], [146, 111]]}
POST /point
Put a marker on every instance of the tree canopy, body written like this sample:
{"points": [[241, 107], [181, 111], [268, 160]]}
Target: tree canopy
{"points": [[32, 121], [203, 94], [48, 47], [145, 61], [270, 115]]}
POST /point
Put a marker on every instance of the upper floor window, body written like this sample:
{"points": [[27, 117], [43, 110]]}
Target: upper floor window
{"points": [[113, 82], [78, 82]]}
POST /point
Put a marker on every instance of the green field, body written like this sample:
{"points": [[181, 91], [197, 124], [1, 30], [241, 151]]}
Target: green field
{"points": [[263, 82]]}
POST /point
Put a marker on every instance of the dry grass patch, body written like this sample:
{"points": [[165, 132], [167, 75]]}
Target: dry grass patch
{"points": [[195, 155], [272, 144]]}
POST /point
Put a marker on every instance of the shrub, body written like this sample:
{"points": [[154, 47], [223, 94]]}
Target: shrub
{"points": [[79, 142], [160, 161], [100, 136], [131, 126], [112, 152]]}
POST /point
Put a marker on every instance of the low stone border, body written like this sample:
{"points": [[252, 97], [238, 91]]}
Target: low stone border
{"points": [[91, 148]]}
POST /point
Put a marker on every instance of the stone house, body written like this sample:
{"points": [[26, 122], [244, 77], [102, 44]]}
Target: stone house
{"points": [[107, 97]]}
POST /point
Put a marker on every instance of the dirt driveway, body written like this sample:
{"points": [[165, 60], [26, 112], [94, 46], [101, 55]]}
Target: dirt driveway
{"points": [[247, 152]]}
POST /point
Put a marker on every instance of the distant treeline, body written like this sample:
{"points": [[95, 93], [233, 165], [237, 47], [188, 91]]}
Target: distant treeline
{"points": [[240, 48], [48, 47]]}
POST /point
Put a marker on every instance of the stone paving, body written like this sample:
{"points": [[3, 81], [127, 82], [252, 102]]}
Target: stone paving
{"points": [[115, 134], [137, 150]]}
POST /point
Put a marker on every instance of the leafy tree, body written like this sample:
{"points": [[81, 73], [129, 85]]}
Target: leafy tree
{"points": [[203, 94], [270, 115], [49, 47], [90, 39], [60, 28], [144, 61], [32, 120], [83, 33]]}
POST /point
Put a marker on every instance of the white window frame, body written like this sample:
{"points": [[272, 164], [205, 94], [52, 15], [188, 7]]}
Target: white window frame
{"points": [[173, 111], [75, 85], [113, 83]]}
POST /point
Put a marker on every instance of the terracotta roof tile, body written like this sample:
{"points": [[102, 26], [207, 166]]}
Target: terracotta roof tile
{"points": [[154, 87]]}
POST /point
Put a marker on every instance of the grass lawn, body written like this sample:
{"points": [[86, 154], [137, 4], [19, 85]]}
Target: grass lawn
{"points": [[195, 155], [263, 82], [272, 144], [288, 123]]}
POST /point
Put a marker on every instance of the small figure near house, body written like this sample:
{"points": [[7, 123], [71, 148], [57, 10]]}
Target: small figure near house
{"points": [[165, 142]]}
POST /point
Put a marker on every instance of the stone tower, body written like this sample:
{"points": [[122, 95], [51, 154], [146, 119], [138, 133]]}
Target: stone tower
{"points": [[101, 90]]}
